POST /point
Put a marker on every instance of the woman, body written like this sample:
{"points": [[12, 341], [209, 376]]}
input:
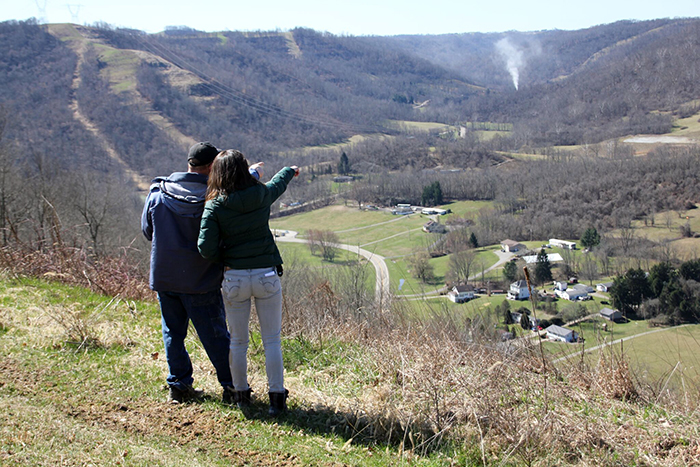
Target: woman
{"points": [[235, 230]]}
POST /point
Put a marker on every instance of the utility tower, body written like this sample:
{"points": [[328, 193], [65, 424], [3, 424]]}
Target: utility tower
{"points": [[74, 10], [41, 6]]}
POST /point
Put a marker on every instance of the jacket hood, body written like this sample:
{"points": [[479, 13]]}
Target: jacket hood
{"points": [[246, 200], [183, 192]]}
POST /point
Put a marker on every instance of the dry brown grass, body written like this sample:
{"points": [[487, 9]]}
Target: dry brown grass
{"points": [[116, 275], [441, 383]]}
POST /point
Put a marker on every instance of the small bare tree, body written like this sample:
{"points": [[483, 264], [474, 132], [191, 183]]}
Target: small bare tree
{"points": [[420, 266], [460, 265], [324, 242]]}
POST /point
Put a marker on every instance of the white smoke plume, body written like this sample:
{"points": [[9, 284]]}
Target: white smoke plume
{"points": [[513, 58]]}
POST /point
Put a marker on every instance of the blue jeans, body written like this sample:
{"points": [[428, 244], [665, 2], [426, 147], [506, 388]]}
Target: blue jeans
{"points": [[238, 288], [209, 319]]}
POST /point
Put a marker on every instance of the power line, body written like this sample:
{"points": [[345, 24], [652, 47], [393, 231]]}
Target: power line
{"points": [[228, 92], [237, 96]]}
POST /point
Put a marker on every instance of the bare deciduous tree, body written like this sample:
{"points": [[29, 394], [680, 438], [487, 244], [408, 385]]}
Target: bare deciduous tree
{"points": [[324, 242], [460, 266], [420, 266]]}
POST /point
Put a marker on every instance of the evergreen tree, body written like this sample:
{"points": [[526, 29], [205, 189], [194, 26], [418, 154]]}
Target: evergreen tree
{"points": [[343, 164], [510, 271], [630, 290], [432, 194], [660, 275], [590, 238], [525, 321], [543, 269], [690, 270], [507, 317], [473, 242]]}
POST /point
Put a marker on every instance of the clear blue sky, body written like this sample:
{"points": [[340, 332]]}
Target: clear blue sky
{"points": [[358, 17]]}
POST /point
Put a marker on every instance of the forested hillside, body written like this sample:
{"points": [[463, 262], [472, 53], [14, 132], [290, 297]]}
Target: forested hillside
{"points": [[116, 107], [542, 55]]}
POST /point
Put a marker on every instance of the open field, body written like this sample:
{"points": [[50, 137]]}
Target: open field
{"points": [[666, 228], [340, 146], [336, 218], [298, 256], [378, 231], [664, 357], [467, 208], [689, 127]]}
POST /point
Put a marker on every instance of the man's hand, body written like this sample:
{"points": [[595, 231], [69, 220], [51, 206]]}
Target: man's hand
{"points": [[296, 170]]}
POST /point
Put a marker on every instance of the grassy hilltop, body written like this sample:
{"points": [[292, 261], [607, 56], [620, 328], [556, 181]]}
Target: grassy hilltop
{"points": [[83, 383]]}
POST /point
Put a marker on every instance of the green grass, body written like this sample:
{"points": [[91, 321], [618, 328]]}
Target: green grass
{"points": [[594, 335], [489, 126], [689, 126], [340, 146], [673, 354], [669, 356], [300, 256], [666, 228], [399, 268], [377, 231], [335, 218], [467, 208], [103, 405]]}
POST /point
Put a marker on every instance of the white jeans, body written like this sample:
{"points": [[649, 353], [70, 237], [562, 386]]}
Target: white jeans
{"points": [[239, 286]]}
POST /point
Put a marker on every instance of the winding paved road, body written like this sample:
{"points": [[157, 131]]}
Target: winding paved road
{"points": [[382, 291]]}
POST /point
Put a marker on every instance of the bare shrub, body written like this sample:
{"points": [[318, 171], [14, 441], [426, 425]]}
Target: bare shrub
{"points": [[111, 275]]}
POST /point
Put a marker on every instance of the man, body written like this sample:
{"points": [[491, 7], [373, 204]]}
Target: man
{"points": [[188, 286]]}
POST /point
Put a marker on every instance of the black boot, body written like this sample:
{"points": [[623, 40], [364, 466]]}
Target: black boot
{"points": [[278, 402], [240, 398]]}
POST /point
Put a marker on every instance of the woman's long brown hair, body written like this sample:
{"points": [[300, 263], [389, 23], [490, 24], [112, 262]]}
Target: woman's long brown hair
{"points": [[229, 173]]}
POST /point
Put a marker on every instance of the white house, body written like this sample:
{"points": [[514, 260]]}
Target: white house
{"points": [[571, 294], [561, 285], [604, 287], [518, 291], [562, 244], [461, 293], [511, 246], [561, 334], [610, 314]]}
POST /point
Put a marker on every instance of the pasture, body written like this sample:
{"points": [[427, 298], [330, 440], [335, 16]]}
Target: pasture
{"points": [[659, 357]]}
